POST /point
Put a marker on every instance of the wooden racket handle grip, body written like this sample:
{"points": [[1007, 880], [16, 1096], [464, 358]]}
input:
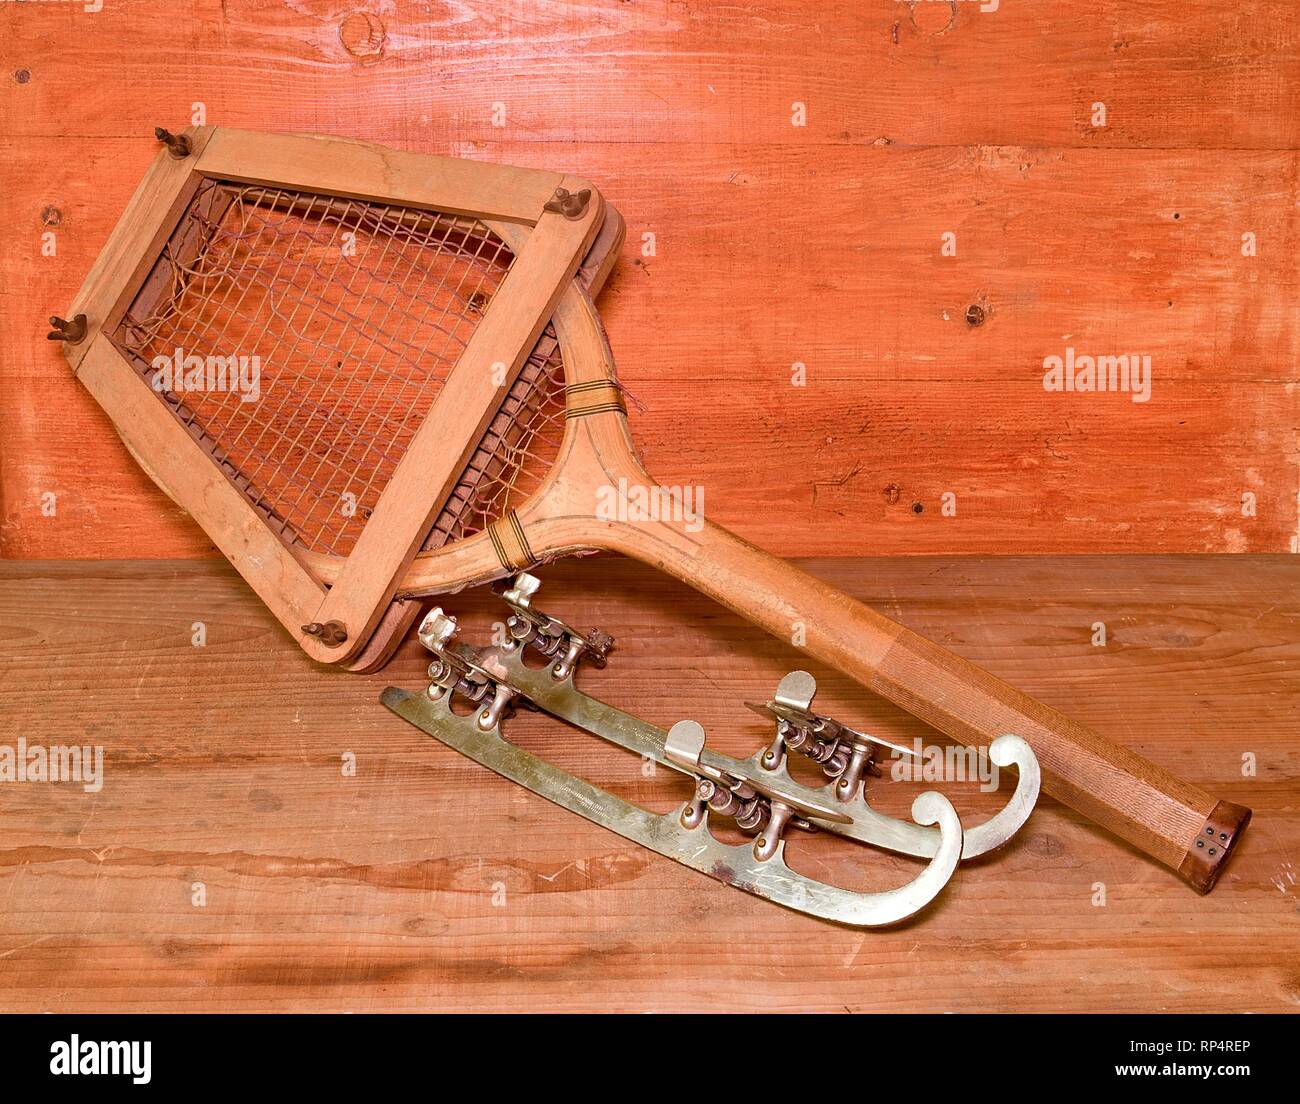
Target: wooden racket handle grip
{"points": [[1172, 820]]}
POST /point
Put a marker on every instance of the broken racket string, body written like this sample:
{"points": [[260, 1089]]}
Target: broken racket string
{"points": [[756, 794]]}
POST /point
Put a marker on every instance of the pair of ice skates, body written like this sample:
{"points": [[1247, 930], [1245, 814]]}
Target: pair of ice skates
{"points": [[758, 794]]}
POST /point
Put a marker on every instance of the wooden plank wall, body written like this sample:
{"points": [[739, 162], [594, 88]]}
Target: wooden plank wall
{"points": [[773, 244]]}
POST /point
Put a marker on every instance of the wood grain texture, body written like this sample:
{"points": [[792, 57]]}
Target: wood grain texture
{"points": [[307, 162], [1189, 73], [376, 891], [774, 244]]}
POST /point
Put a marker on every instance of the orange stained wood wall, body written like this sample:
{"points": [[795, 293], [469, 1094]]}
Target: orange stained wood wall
{"points": [[789, 173]]}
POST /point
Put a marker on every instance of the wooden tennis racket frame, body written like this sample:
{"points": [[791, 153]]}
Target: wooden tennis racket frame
{"points": [[545, 261]]}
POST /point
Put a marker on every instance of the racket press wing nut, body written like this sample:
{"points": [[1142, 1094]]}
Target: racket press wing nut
{"points": [[758, 794]]}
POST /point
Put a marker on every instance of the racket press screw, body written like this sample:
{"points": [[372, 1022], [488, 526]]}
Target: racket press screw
{"points": [[73, 332], [569, 204], [177, 144], [331, 633]]}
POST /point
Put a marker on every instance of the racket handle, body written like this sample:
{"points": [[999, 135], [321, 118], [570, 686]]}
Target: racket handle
{"points": [[1177, 823]]}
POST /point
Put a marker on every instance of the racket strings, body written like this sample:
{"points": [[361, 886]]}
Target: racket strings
{"points": [[303, 338], [518, 450], [514, 456]]}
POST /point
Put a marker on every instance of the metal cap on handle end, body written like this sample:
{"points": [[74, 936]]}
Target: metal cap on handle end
{"points": [[1210, 851]]}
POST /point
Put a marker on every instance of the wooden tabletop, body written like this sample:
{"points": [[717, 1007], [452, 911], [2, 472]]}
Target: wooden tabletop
{"points": [[233, 861]]}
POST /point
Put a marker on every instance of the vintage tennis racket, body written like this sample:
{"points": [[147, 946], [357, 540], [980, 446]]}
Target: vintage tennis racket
{"points": [[503, 447], [291, 333]]}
